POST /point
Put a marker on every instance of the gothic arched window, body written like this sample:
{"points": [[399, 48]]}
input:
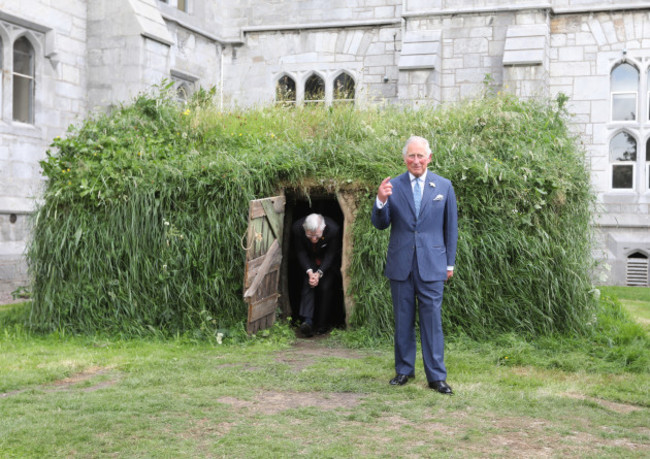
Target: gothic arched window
{"points": [[23, 84], [314, 90], [285, 91], [624, 87], [622, 156], [344, 88], [647, 164]]}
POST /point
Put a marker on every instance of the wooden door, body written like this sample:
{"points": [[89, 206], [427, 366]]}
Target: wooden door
{"points": [[263, 260]]}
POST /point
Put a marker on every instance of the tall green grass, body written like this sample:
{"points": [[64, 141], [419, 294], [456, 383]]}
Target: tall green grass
{"points": [[144, 209]]}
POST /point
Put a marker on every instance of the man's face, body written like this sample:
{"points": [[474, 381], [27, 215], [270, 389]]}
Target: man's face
{"points": [[417, 158], [314, 236]]}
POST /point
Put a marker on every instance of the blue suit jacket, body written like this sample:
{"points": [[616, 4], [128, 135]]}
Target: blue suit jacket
{"points": [[433, 236]]}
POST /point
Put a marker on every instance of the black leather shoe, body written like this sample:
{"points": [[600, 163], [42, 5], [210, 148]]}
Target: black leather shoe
{"points": [[400, 380], [441, 386], [306, 330]]}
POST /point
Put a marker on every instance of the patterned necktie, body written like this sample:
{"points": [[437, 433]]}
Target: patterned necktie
{"points": [[417, 196]]}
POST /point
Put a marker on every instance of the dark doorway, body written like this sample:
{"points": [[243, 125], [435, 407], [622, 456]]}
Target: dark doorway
{"points": [[298, 206]]}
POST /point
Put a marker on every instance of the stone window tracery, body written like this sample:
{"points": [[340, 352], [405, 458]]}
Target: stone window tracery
{"points": [[184, 85]]}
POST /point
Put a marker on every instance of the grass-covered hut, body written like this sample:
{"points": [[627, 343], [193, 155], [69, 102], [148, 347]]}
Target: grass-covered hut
{"points": [[144, 211]]}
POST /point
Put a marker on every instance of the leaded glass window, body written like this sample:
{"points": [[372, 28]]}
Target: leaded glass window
{"points": [[23, 81], [624, 87], [647, 164], [622, 155]]}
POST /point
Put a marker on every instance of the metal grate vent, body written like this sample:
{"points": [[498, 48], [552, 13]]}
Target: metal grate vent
{"points": [[637, 271]]}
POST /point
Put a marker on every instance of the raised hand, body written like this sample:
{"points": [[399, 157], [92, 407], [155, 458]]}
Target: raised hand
{"points": [[385, 190]]}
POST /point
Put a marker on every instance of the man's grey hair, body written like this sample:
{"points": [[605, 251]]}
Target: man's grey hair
{"points": [[418, 139], [314, 222]]}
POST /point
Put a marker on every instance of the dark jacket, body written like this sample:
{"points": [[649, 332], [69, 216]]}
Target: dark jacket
{"points": [[324, 253]]}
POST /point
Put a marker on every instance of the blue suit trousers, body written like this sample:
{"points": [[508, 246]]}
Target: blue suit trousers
{"points": [[429, 303]]}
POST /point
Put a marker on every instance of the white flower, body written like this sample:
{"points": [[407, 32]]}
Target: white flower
{"points": [[432, 185], [219, 338], [438, 198]]}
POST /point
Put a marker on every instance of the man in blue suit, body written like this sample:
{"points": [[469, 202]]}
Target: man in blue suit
{"points": [[420, 208]]}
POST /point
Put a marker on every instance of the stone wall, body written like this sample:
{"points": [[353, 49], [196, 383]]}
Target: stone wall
{"points": [[365, 53], [238, 16], [136, 44], [95, 53], [584, 49], [57, 33], [88, 55]]}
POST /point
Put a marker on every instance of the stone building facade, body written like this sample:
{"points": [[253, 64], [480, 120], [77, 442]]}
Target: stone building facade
{"points": [[62, 60]]}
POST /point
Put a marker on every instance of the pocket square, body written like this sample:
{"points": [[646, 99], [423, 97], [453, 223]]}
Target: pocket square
{"points": [[439, 198]]}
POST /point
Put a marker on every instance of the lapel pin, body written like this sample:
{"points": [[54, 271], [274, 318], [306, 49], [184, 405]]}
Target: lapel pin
{"points": [[432, 185]]}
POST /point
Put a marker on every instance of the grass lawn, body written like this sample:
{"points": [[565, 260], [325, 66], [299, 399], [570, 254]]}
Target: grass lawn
{"points": [[277, 396], [635, 299]]}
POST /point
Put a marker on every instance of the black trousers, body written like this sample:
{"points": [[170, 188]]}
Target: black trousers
{"points": [[315, 302]]}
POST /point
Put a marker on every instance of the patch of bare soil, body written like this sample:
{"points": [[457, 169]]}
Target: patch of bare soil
{"points": [[427, 426], [622, 408], [306, 352], [77, 378], [272, 402], [205, 427], [524, 437], [529, 437], [303, 353]]}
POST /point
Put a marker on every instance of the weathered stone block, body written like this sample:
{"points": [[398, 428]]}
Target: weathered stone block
{"points": [[590, 88], [481, 32], [525, 43], [558, 40], [379, 60], [448, 79], [470, 45], [475, 75], [571, 53], [562, 69], [470, 91], [452, 64], [377, 48]]}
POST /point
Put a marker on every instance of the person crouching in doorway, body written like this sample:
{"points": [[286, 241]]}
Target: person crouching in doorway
{"points": [[317, 245]]}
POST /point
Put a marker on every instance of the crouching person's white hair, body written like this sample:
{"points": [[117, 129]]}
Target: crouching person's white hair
{"points": [[314, 222]]}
